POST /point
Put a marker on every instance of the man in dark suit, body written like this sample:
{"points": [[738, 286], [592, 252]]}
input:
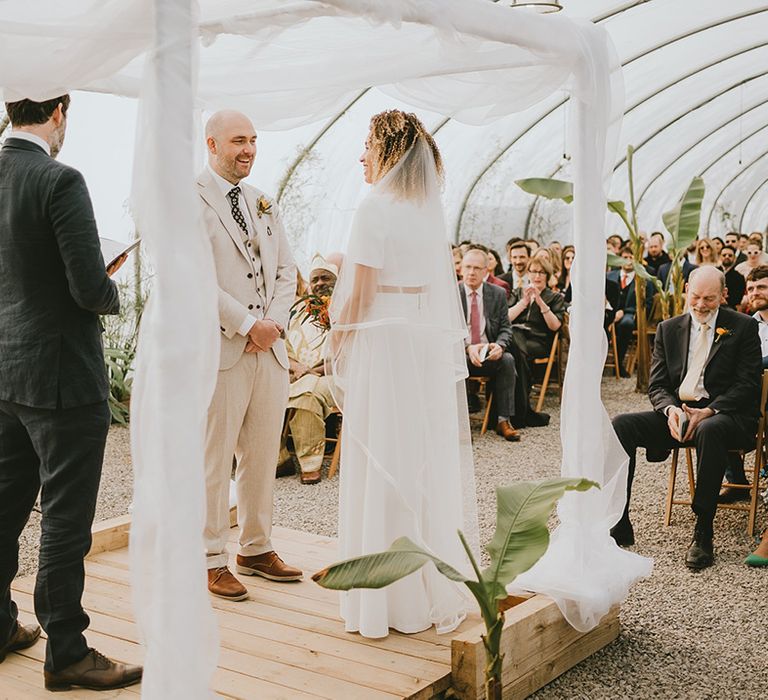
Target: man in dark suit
{"points": [[656, 255], [54, 415], [705, 390], [735, 284], [485, 308], [626, 313], [663, 272]]}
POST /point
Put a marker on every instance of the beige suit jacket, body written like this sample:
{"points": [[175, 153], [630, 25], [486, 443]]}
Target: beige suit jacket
{"points": [[238, 294]]}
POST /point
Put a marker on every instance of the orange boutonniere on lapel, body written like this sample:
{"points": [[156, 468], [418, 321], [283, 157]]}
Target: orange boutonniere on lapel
{"points": [[263, 206], [722, 333]]}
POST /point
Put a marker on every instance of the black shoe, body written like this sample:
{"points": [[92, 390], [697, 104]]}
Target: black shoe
{"points": [[536, 420], [473, 403], [701, 553], [287, 468], [623, 533], [729, 494], [623, 373]]}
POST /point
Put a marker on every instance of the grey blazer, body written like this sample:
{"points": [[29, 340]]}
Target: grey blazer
{"points": [[497, 326], [53, 284]]}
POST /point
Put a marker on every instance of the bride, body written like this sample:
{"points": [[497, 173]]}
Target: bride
{"points": [[396, 351]]}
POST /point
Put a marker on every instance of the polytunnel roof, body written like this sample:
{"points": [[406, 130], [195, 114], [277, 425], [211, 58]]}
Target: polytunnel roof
{"points": [[696, 103], [696, 81]]}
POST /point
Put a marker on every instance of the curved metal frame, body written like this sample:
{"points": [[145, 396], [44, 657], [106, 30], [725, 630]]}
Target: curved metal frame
{"points": [[532, 125], [730, 182], [746, 204]]}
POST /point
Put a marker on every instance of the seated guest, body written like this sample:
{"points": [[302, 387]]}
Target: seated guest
{"points": [[626, 313], [485, 306], [493, 264], [663, 272], [549, 256], [655, 256], [519, 256], [705, 253], [704, 387], [533, 245], [735, 285], [457, 257], [309, 394], [564, 278], [717, 244], [612, 301], [536, 314], [755, 257], [757, 297], [732, 239], [614, 244]]}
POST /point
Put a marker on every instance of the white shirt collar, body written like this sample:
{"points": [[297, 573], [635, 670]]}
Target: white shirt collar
{"points": [[32, 138], [759, 318], [224, 185], [696, 324], [468, 290]]}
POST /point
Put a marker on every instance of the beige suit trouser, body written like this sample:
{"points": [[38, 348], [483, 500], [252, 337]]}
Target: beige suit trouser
{"points": [[244, 420]]}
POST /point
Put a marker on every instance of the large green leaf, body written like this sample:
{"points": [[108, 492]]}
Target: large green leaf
{"points": [[614, 260], [547, 188], [683, 221], [642, 271], [521, 536], [378, 570]]}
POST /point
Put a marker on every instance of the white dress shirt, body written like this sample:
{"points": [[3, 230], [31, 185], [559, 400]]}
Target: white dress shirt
{"points": [[625, 278], [762, 329], [32, 138], [468, 291]]}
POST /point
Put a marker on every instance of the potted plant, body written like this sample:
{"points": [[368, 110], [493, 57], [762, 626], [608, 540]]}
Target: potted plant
{"points": [[520, 540]]}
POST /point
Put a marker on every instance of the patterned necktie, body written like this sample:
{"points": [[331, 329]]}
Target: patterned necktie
{"points": [[687, 391], [474, 321], [237, 214]]}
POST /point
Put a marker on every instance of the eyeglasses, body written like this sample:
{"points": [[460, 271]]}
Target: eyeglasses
{"points": [[536, 272]]}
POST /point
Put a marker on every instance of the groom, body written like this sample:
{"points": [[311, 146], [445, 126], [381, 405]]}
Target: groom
{"points": [[257, 283]]}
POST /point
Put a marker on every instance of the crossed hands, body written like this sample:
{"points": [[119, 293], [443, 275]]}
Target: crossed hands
{"points": [[263, 335], [693, 415], [473, 351]]}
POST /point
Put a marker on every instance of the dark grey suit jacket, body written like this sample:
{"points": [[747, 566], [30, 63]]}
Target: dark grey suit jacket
{"points": [[53, 284], [733, 371], [497, 327]]}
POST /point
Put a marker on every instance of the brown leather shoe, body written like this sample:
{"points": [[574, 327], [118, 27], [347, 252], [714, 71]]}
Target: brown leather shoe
{"points": [[506, 431], [95, 672], [268, 565], [23, 636], [311, 477], [223, 584]]}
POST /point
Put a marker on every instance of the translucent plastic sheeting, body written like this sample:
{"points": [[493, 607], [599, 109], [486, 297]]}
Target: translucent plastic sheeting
{"points": [[294, 63]]}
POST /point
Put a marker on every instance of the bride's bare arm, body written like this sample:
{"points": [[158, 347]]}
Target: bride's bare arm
{"points": [[361, 298]]}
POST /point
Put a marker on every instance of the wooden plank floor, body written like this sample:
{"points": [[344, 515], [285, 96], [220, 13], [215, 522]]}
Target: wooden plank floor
{"points": [[286, 641]]}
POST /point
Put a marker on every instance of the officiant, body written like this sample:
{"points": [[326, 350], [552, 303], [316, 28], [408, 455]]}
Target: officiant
{"points": [[310, 401]]}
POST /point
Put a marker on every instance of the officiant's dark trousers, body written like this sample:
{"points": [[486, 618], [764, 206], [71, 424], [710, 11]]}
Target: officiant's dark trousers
{"points": [[60, 451], [713, 438]]}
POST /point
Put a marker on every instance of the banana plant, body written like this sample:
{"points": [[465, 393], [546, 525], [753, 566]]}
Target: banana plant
{"points": [[682, 223], [520, 540]]}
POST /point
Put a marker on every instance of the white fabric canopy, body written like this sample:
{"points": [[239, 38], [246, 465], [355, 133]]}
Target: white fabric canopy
{"points": [[288, 63]]}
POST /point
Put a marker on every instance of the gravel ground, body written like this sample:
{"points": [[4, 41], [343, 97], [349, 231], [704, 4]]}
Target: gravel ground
{"points": [[684, 634]]}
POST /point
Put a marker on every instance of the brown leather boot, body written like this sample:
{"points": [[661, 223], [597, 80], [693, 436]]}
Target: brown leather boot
{"points": [[223, 584], [268, 565], [95, 672], [23, 636]]}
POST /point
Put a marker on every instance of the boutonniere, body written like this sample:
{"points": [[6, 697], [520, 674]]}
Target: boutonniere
{"points": [[722, 333], [263, 206]]}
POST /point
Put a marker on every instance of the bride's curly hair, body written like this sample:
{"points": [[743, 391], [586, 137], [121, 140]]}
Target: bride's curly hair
{"points": [[392, 136]]}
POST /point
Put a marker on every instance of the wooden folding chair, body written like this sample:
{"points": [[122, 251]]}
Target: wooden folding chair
{"points": [[553, 360], [336, 450], [753, 487], [612, 358], [485, 384]]}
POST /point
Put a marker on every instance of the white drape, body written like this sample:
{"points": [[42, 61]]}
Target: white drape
{"points": [[288, 63]]}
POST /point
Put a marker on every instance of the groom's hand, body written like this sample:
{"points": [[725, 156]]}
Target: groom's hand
{"points": [[263, 334]]}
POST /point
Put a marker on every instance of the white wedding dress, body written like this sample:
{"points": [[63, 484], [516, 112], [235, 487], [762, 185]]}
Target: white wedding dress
{"points": [[398, 365]]}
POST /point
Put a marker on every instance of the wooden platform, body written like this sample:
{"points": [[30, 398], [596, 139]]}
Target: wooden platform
{"points": [[286, 641]]}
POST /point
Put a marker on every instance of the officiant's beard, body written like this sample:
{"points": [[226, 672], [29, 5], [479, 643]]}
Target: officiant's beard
{"points": [[57, 138]]}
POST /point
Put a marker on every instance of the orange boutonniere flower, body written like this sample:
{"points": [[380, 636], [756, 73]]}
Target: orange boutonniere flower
{"points": [[721, 333], [264, 206]]}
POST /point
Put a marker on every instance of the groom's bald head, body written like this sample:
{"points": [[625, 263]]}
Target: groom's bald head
{"points": [[231, 141]]}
